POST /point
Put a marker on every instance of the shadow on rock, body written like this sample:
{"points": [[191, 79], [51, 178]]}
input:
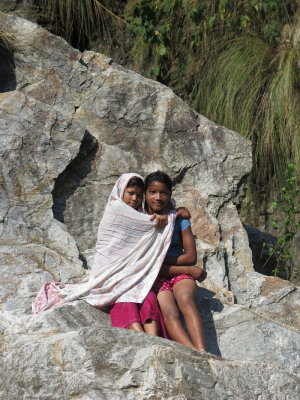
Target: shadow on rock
{"points": [[207, 305], [259, 243], [70, 179], [7, 67]]}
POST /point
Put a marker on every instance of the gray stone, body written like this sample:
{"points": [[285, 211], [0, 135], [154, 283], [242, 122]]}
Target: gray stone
{"points": [[35, 246], [98, 362]]}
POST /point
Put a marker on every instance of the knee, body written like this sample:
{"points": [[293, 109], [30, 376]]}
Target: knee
{"points": [[186, 302], [171, 315]]}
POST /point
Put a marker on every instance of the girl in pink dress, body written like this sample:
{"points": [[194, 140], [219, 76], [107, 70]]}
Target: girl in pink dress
{"points": [[176, 284], [145, 316]]}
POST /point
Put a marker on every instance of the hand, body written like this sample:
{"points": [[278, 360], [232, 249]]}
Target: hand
{"points": [[198, 273], [183, 212], [160, 220]]}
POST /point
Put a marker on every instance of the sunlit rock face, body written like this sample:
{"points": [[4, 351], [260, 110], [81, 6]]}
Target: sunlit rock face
{"points": [[71, 123]]}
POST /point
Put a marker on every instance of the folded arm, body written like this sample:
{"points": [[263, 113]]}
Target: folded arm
{"points": [[184, 264]]}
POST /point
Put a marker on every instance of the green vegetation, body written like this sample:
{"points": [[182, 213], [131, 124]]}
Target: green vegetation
{"points": [[78, 21], [287, 226], [225, 58], [254, 91], [7, 41]]}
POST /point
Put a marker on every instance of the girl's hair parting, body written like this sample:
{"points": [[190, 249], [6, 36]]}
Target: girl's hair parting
{"points": [[136, 181], [159, 176]]}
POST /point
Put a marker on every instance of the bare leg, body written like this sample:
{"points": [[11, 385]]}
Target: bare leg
{"points": [[172, 320], [151, 327], [184, 292], [136, 326]]}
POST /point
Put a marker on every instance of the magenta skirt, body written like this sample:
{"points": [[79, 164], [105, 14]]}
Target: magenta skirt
{"points": [[123, 315]]}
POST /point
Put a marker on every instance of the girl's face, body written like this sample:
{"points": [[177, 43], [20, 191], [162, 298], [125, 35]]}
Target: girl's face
{"points": [[133, 196], [157, 197]]}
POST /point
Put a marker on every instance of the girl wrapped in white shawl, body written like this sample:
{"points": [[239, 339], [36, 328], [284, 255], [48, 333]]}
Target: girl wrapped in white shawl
{"points": [[129, 253]]}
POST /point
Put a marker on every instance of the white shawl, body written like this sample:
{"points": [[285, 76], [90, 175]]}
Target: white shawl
{"points": [[129, 254]]}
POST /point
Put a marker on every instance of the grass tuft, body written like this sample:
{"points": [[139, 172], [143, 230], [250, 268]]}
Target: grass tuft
{"points": [[248, 89], [78, 21], [7, 40]]}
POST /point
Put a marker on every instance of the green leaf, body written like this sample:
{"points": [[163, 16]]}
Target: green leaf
{"points": [[245, 21], [162, 29], [287, 256], [138, 21], [155, 70], [287, 221], [211, 22], [162, 50], [275, 272], [170, 5], [267, 6], [223, 3], [271, 31], [192, 13], [197, 14], [274, 225]]}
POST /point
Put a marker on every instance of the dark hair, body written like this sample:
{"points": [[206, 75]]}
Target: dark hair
{"points": [[136, 181], [159, 176]]}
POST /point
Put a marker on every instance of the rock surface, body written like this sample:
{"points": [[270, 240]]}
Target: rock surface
{"points": [[71, 123], [86, 359]]}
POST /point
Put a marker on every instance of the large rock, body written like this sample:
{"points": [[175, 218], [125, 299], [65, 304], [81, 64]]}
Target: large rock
{"points": [[66, 354], [71, 123]]}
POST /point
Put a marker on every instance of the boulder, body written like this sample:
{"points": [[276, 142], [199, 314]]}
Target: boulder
{"points": [[71, 123], [69, 352]]}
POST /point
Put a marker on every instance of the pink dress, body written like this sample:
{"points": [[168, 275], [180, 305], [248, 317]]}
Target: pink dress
{"points": [[123, 315]]}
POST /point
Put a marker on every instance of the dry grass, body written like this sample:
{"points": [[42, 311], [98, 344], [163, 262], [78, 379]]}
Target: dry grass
{"points": [[78, 21]]}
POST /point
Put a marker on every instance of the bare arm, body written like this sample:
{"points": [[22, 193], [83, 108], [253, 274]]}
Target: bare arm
{"points": [[183, 212], [189, 257]]}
